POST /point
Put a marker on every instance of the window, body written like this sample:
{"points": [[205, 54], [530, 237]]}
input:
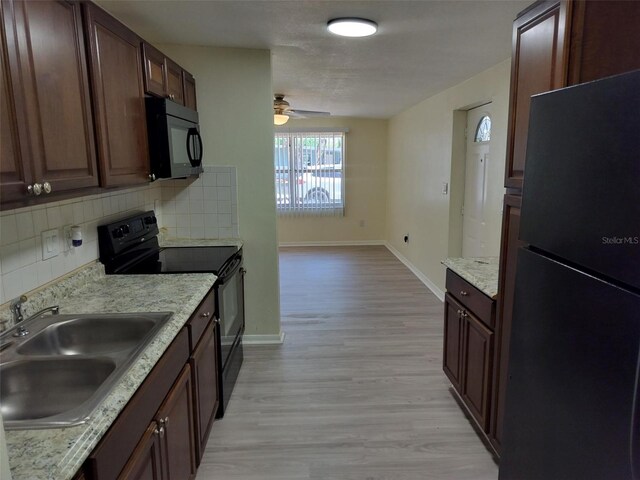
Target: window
{"points": [[309, 170], [483, 130]]}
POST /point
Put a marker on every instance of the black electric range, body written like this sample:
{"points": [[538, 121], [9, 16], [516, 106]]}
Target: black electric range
{"points": [[130, 247]]}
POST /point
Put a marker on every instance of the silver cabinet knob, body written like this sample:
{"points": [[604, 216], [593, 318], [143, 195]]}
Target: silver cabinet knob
{"points": [[37, 189], [46, 187], [152, 177], [463, 293], [206, 314]]}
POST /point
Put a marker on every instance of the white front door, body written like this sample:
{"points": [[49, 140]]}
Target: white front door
{"points": [[474, 236]]}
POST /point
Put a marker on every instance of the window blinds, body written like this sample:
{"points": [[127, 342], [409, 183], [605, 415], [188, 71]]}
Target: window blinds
{"points": [[309, 172]]}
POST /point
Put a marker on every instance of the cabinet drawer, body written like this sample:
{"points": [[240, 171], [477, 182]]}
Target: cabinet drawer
{"points": [[472, 298], [198, 322]]}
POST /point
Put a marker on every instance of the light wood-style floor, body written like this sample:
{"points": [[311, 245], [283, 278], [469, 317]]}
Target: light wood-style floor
{"points": [[357, 390]]}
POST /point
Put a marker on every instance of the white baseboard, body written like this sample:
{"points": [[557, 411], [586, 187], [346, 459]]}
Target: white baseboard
{"points": [[421, 276], [277, 339], [347, 243]]}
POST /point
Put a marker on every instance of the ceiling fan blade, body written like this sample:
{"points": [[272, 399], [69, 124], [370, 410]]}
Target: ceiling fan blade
{"points": [[307, 113]]}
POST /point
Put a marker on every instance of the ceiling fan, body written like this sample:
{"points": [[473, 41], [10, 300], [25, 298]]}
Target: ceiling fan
{"points": [[282, 111]]}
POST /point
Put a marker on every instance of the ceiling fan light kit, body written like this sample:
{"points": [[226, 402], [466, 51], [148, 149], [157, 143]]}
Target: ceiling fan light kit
{"points": [[352, 27], [282, 111], [280, 119]]}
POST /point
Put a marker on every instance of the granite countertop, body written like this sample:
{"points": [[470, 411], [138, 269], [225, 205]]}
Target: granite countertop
{"points": [[481, 272], [57, 454]]}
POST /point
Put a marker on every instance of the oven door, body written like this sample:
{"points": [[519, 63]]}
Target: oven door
{"points": [[230, 311]]}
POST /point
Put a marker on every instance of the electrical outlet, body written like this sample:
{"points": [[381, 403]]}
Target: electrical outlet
{"points": [[50, 244]]}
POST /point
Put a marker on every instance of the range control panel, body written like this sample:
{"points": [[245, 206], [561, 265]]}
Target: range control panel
{"points": [[128, 232]]}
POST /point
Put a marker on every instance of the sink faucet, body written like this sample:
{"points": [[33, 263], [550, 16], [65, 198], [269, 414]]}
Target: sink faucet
{"points": [[16, 309]]}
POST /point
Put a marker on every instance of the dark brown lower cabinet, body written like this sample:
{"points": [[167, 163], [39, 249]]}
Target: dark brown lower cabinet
{"points": [[162, 432], [145, 462], [452, 364], [469, 316], [205, 386], [176, 430], [506, 287], [476, 378]]}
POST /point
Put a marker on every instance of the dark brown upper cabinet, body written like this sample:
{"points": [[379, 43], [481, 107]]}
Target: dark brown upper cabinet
{"points": [[604, 39], [155, 71], [189, 90], [175, 88], [118, 99], [165, 78], [539, 59], [47, 126], [15, 171]]}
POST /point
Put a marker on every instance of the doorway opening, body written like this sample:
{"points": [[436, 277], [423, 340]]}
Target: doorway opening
{"points": [[469, 200]]}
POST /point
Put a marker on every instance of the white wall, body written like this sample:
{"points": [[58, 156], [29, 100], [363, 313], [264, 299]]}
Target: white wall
{"points": [[420, 150], [234, 98], [365, 179]]}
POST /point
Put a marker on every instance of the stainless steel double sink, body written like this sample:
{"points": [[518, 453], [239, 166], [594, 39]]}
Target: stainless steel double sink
{"points": [[59, 373]]}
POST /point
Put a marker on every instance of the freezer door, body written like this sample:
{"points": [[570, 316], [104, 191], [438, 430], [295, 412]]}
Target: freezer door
{"points": [[581, 198], [571, 410]]}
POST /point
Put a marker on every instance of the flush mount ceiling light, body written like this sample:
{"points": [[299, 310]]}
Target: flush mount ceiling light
{"points": [[352, 27]]}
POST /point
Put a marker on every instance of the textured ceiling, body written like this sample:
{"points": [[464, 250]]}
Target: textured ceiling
{"points": [[421, 48]]}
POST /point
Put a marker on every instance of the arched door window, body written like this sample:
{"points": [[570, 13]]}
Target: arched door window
{"points": [[483, 130]]}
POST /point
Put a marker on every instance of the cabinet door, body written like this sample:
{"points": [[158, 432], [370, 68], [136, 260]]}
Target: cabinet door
{"points": [[506, 285], [604, 39], [15, 169], [539, 64], [145, 462], [453, 323], [189, 90], [176, 421], [175, 90], [476, 368], [155, 73], [118, 99], [56, 91], [204, 364]]}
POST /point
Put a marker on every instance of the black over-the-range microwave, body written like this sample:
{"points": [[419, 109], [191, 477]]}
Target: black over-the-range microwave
{"points": [[175, 145]]}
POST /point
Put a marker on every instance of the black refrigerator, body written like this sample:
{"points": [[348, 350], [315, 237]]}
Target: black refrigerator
{"points": [[573, 394]]}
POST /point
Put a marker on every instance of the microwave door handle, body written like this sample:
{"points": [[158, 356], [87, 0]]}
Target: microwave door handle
{"points": [[193, 133], [189, 154], [198, 138]]}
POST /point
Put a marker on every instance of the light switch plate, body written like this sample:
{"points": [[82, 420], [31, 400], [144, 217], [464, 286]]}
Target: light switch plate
{"points": [[50, 244], [445, 188]]}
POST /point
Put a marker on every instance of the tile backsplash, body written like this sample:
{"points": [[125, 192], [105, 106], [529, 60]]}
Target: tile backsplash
{"points": [[202, 208]]}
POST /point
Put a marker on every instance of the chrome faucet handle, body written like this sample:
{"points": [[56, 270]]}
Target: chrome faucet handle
{"points": [[16, 308]]}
